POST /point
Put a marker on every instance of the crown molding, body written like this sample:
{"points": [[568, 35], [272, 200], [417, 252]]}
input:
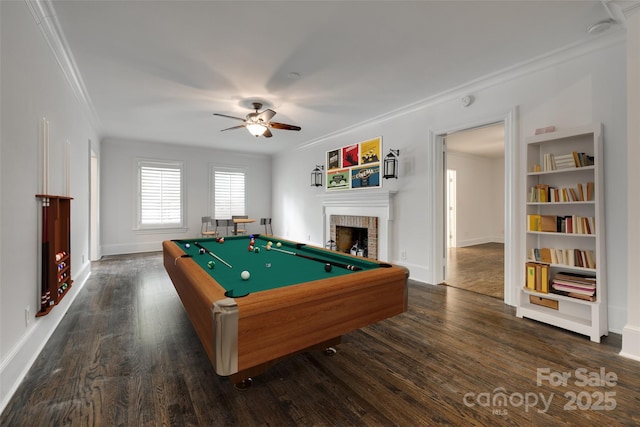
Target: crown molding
{"points": [[44, 14], [530, 66]]}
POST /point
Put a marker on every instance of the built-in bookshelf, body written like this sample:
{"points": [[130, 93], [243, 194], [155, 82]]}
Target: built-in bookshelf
{"points": [[565, 283]]}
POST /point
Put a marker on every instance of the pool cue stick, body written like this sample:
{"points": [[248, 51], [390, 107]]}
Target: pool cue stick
{"points": [[212, 254], [324, 261], [46, 295]]}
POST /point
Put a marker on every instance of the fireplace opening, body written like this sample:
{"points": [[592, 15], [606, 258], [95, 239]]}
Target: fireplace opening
{"points": [[357, 235], [352, 240]]}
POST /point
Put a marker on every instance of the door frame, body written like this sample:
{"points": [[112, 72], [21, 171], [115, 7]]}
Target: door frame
{"points": [[512, 248]]}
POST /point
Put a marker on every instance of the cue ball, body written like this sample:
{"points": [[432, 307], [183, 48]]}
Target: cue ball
{"points": [[245, 275], [327, 267], [187, 246], [278, 244]]}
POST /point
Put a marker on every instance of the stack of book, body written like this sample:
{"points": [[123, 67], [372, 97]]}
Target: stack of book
{"points": [[574, 285], [552, 162]]}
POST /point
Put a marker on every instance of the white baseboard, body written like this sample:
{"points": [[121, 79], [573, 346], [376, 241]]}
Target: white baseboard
{"points": [[21, 357], [479, 241], [631, 342], [418, 273], [131, 248]]}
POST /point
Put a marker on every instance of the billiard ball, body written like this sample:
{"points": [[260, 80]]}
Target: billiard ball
{"points": [[245, 275], [187, 245], [211, 264], [269, 243], [201, 251], [222, 240], [250, 248], [327, 267], [256, 250], [268, 247], [278, 244]]}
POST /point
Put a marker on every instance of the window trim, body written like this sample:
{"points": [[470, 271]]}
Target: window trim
{"points": [[213, 168], [175, 164]]}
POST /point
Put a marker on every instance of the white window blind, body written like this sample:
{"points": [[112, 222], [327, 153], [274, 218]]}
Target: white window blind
{"points": [[229, 194], [161, 198]]}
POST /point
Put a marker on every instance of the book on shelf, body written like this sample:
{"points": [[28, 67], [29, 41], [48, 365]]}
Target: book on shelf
{"points": [[570, 257], [541, 193], [531, 276], [549, 223], [551, 162]]}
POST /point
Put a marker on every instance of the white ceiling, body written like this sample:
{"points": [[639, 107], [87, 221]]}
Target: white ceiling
{"points": [[157, 70]]}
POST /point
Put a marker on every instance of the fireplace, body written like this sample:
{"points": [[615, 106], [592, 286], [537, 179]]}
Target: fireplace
{"points": [[370, 209], [355, 234]]}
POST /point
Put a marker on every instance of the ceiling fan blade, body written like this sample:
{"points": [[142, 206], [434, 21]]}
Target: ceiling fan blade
{"points": [[234, 127], [276, 125], [266, 115], [267, 134], [229, 117]]}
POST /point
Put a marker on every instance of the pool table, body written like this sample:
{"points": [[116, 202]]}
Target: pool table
{"points": [[298, 297]]}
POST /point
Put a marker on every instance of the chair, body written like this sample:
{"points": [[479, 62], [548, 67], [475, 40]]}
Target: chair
{"points": [[224, 223], [205, 230], [239, 228], [267, 223]]}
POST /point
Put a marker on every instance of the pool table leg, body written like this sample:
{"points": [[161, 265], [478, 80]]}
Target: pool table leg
{"points": [[243, 379]]}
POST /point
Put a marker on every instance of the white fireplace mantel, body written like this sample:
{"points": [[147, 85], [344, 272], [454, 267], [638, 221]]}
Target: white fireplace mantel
{"points": [[377, 203], [359, 198]]}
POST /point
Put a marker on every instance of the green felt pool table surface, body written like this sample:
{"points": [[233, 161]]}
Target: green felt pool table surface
{"points": [[268, 269]]}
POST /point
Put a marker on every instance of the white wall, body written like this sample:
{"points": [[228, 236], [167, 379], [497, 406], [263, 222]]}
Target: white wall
{"points": [[480, 198], [33, 86], [118, 191], [567, 89]]}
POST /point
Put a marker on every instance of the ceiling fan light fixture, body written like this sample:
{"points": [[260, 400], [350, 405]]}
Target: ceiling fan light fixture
{"points": [[256, 129]]}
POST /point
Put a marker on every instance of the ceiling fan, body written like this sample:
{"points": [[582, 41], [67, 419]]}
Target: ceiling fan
{"points": [[258, 123]]}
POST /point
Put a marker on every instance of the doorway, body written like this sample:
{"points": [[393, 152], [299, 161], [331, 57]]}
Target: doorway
{"points": [[475, 205], [94, 206]]}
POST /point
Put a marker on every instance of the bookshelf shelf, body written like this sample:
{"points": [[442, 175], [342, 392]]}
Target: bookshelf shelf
{"points": [[569, 267], [557, 233], [562, 171], [558, 297], [586, 202], [561, 307]]}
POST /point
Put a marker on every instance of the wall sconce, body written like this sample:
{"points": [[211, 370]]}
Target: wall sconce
{"points": [[391, 164], [316, 176]]}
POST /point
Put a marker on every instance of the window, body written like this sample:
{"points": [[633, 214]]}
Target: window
{"points": [[160, 201], [229, 193]]}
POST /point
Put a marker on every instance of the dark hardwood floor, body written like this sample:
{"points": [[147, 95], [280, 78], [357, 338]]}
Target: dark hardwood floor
{"points": [[477, 268], [126, 355]]}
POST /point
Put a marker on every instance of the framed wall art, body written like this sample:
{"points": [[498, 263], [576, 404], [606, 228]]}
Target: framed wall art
{"points": [[354, 166]]}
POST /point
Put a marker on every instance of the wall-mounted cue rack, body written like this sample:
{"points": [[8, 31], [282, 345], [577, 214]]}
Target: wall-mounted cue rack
{"points": [[56, 251]]}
